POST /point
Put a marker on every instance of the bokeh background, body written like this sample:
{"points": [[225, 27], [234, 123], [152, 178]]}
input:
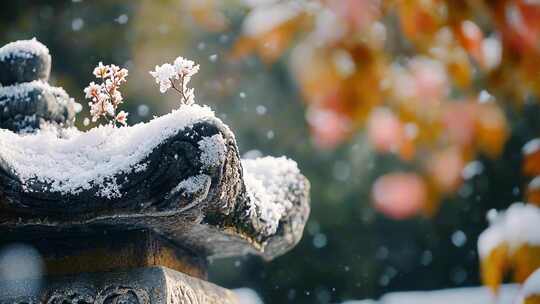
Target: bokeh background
{"points": [[350, 249]]}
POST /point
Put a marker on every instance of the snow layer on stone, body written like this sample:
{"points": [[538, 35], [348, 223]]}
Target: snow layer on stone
{"points": [[21, 91], [466, 295], [531, 285], [516, 226], [268, 183], [247, 296], [23, 49], [531, 146], [265, 18], [193, 184], [213, 150], [70, 160]]}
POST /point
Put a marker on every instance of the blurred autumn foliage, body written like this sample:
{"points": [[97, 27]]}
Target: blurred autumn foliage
{"points": [[428, 80]]}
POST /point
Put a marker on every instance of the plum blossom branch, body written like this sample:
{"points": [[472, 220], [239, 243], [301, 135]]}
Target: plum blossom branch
{"points": [[106, 96], [177, 77]]}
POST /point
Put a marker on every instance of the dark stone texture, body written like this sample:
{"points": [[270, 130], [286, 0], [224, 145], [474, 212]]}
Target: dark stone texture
{"points": [[211, 222], [27, 102], [19, 69], [39, 105], [151, 285]]}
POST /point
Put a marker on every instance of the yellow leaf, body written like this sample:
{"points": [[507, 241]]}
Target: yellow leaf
{"points": [[535, 299], [494, 267], [525, 261]]}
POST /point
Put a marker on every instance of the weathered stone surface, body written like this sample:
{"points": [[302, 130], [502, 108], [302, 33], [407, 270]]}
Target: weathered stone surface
{"points": [[24, 61], [27, 101], [222, 216], [28, 106], [152, 285], [213, 221]]}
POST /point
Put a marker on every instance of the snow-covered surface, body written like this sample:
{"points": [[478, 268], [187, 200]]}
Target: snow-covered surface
{"points": [[267, 181], [531, 286], [514, 227], [21, 91], [531, 146], [193, 184], [69, 160], [467, 295], [247, 296], [213, 150], [534, 184], [23, 49]]}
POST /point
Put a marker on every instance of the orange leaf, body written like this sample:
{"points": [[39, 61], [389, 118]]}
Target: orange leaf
{"points": [[494, 267]]}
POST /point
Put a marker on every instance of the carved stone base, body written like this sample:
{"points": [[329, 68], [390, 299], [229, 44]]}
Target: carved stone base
{"points": [[150, 285]]}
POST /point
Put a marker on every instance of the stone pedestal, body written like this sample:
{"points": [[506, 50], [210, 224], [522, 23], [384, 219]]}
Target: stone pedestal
{"points": [[149, 285]]}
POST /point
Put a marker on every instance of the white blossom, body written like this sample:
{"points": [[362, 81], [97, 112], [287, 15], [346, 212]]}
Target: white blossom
{"points": [[185, 67], [163, 75], [101, 71], [177, 77], [121, 75]]}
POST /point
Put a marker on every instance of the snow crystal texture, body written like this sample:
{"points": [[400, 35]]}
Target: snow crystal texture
{"points": [[21, 91], [268, 181], [514, 227], [70, 160], [23, 49]]}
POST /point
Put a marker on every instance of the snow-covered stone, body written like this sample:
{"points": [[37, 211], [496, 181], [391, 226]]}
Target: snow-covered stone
{"points": [[71, 161], [25, 106], [182, 162], [247, 296], [465, 295], [267, 182], [24, 49], [468, 295], [24, 61]]}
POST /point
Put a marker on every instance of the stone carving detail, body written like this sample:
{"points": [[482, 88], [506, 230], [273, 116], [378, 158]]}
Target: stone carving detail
{"points": [[148, 285], [25, 301], [70, 296], [122, 295], [109, 295], [182, 293]]}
